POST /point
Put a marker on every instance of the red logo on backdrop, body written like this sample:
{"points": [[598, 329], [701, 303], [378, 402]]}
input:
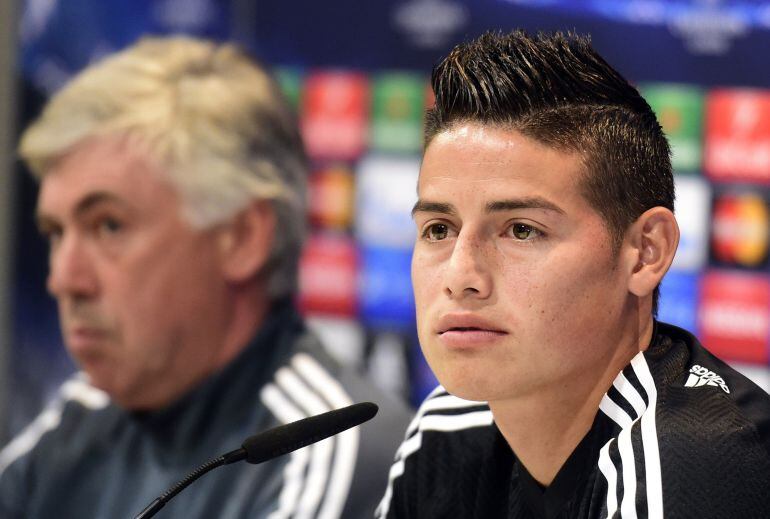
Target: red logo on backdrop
{"points": [[737, 143], [740, 231], [328, 276], [335, 115], [734, 316]]}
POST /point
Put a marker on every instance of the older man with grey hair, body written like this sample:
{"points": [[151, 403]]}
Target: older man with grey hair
{"points": [[172, 191]]}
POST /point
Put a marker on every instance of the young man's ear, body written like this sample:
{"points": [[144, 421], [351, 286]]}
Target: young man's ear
{"points": [[246, 240], [653, 240]]}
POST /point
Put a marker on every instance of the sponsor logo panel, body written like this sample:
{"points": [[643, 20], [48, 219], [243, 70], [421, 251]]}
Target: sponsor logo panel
{"points": [[679, 296], [331, 192], [737, 141], [335, 114], [734, 315], [740, 230], [397, 112], [328, 275], [692, 208], [386, 287], [386, 191], [290, 81], [679, 109]]}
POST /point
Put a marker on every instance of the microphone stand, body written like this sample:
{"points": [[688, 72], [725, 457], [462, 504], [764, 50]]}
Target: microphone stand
{"points": [[225, 459]]}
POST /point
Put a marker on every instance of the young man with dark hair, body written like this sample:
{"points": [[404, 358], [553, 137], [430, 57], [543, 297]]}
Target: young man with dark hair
{"points": [[545, 225]]}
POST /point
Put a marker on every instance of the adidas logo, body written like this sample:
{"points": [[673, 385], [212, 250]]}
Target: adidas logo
{"points": [[700, 376]]}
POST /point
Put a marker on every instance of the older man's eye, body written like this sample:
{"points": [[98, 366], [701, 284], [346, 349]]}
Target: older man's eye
{"points": [[522, 231], [52, 234], [108, 226], [436, 232]]}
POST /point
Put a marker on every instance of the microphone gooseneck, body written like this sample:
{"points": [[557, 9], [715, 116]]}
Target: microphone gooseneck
{"points": [[273, 443], [161, 501]]}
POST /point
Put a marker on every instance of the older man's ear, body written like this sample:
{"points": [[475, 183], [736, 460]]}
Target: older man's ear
{"points": [[246, 240]]}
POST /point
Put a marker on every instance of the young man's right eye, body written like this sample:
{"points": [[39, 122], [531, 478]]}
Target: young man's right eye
{"points": [[436, 232]]}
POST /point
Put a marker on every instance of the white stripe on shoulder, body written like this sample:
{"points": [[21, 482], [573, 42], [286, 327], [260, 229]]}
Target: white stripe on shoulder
{"points": [[616, 413], [630, 393], [436, 391], [395, 472], [76, 389], [432, 422], [321, 452], [346, 451], [436, 403], [654, 485], [626, 448], [294, 471], [611, 475], [649, 441], [79, 390]]}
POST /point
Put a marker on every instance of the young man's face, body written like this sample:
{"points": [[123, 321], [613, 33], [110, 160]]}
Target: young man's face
{"points": [[137, 288], [517, 288]]}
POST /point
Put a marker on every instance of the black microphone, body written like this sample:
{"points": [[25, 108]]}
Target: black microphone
{"points": [[273, 443]]}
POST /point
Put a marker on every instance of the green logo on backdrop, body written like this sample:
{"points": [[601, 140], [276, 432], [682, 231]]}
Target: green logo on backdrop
{"points": [[397, 111], [680, 111]]}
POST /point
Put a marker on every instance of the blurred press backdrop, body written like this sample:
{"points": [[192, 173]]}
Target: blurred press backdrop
{"points": [[357, 73]]}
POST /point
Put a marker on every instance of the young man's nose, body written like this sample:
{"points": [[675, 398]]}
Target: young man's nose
{"points": [[467, 274]]}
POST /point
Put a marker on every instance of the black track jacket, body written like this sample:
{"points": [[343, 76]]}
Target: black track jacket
{"points": [[679, 435]]}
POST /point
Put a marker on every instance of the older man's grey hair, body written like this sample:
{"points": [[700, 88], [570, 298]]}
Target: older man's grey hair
{"points": [[213, 118]]}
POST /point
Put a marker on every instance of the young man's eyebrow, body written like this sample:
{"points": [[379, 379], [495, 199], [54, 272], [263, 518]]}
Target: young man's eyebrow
{"points": [[522, 203], [433, 207], [491, 207]]}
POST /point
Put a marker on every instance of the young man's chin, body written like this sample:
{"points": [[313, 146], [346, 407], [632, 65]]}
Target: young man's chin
{"points": [[475, 388]]}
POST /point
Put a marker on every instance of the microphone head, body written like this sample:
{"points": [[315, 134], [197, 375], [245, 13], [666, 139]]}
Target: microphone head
{"points": [[290, 437]]}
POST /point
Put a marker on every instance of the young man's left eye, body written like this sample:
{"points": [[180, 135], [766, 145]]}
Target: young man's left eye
{"points": [[522, 231]]}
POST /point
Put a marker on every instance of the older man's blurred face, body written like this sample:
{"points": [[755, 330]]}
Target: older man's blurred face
{"points": [[139, 290]]}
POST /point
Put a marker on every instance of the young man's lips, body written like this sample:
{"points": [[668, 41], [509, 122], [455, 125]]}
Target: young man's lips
{"points": [[467, 331], [469, 338], [467, 323]]}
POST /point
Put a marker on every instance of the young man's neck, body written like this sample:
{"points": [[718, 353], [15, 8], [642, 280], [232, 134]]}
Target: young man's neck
{"points": [[544, 429]]}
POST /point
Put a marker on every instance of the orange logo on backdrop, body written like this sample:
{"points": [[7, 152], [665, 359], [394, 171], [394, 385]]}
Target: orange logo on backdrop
{"points": [[741, 229]]}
